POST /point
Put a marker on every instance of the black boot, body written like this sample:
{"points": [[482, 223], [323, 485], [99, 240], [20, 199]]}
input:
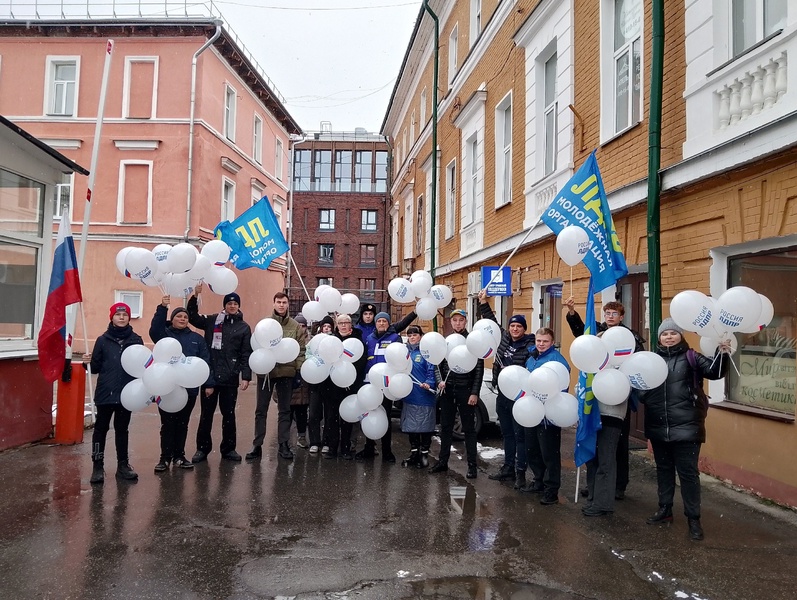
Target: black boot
{"points": [[366, 453], [505, 473], [440, 467], [472, 471], [162, 465], [423, 459], [520, 479], [97, 472], [125, 471], [412, 460], [663, 515], [285, 451], [257, 452], [695, 529]]}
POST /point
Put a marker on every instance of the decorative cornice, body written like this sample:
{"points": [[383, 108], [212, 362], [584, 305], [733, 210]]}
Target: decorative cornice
{"points": [[63, 144], [136, 144], [230, 165]]}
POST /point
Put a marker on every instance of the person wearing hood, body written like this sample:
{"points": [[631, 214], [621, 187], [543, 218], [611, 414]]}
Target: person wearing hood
{"points": [[174, 426], [418, 408], [366, 323], [281, 379], [675, 422], [513, 349], [106, 362], [228, 338]]}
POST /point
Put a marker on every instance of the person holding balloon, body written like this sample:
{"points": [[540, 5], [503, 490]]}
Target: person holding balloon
{"points": [[106, 362], [300, 399], [228, 338], [418, 409], [675, 417], [174, 426]]}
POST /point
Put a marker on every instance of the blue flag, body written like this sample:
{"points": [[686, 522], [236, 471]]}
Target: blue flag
{"points": [[589, 418], [582, 202], [255, 237]]}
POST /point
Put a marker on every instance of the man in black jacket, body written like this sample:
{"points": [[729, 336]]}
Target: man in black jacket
{"points": [[229, 340]]}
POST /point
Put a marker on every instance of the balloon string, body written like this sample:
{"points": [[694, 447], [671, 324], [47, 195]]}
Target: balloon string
{"points": [[571, 281]]}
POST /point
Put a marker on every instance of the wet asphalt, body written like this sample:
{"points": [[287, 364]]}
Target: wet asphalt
{"points": [[319, 528]]}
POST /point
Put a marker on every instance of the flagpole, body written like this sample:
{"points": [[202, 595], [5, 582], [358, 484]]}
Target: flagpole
{"points": [[508, 258], [299, 275]]}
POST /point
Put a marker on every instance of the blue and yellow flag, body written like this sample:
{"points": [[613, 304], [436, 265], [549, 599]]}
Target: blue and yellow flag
{"points": [[255, 237], [582, 202], [589, 418]]}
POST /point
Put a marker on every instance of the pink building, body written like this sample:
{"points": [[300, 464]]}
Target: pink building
{"points": [[193, 133]]}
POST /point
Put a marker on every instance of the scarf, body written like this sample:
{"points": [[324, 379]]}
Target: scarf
{"points": [[216, 343], [119, 333]]}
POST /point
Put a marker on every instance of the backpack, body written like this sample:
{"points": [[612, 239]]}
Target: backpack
{"points": [[700, 396]]}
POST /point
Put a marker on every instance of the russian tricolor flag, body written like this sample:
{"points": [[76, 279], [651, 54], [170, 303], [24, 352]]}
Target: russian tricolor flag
{"points": [[64, 290]]}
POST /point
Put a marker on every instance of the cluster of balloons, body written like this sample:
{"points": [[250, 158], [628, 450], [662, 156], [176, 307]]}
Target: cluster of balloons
{"points": [[270, 348], [418, 288], [739, 309], [459, 352], [177, 269], [162, 376], [327, 299], [572, 244], [537, 395], [366, 407], [329, 356]]}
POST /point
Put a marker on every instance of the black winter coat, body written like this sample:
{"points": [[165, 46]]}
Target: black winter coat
{"points": [[471, 381], [232, 360], [106, 362], [509, 352], [192, 343], [673, 413]]}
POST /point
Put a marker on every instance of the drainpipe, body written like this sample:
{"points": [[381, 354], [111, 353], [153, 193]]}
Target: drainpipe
{"points": [[433, 213], [290, 212], [654, 165], [189, 196]]}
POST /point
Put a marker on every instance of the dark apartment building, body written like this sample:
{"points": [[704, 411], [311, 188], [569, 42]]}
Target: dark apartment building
{"points": [[340, 197]]}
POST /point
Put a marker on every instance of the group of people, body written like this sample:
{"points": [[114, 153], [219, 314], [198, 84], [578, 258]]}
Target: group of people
{"points": [[675, 412]]}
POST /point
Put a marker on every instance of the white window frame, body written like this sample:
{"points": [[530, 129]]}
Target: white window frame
{"points": [[409, 227], [127, 85], [69, 183], [136, 308], [503, 152], [363, 213], [475, 20], [420, 220], [471, 181], [453, 54], [451, 198], [324, 281], [230, 105], [257, 139], [550, 146], [326, 253], [394, 235], [120, 198], [757, 7], [331, 221], [227, 208], [257, 193], [279, 161], [424, 101], [49, 88]]}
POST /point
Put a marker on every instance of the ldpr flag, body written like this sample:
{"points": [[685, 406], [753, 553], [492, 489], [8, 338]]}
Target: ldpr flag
{"points": [[255, 238], [589, 418]]}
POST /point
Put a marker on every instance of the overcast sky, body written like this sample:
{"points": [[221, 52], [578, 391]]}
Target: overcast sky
{"points": [[333, 60]]}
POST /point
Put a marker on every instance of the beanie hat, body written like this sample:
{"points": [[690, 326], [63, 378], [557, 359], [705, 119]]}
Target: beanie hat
{"points": [[459, 312], [119, 307], [382, 315], [299, 318], [177, 311], [328, 321], [669, 325], [519, 319], [231, 297]]}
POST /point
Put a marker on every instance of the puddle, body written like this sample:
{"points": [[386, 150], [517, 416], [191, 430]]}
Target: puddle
{"points": [[484, 588]]}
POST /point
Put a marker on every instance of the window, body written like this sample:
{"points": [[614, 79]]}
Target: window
{"points": [[279, 159], [475, 20], [343, 170], [409, 221], [63, 73], [764, 376], [257, 141], [322, 170], [326, 253], [301, 170], [380, 178], [472, 179], [452, 54], [326, 219], [362, 169], [63, 198], [257, 192], [367, 255], [140, 87], [229, 113], [368, 220], [503, 152], [228, 200], [324, 281], [368, 289], [134, 203], [754, 20], [549, 116], [627, 63], [423, 109], [451, 197], [133, 299], [419, 224]]}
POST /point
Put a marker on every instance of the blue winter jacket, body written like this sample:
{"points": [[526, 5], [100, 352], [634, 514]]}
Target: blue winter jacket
{"points": [[192, 343], [376, 343], [422, 371]]}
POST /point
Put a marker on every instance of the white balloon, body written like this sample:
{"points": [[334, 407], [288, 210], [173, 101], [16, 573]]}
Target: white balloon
{"points": [[543, 383], [572, 244], [174, 401], [141, 263], [254, 343], [314, 370], [319, 290], [312, 345], [181, 258], [645, 370], [350, 409], [179, 285], [159, 379], [330, 300], [313, 311], [528, 412], [442, 295], [378, 375], [490, 327], [708, 345], [588, 354], [620, 343], [461, 361], [369, 397], [420, 283], [480, 343], [168, 350], [397, 355], [286, 351], [121, 257], [161, 252], [388, 395], [217, 252], [767, 312], [399, 290], [221, 281], [611, 387], [562, 410], [349, 304], [433, 347], [330, 349], [268, 332], [453, 340], [201, 268], [262, 361], [426, 309], [135, 397], [561, 372], [692, 310], [136, 359], [155, 280], [512, 381], [191, 372], [738, 308], [343, 374], [353, 349], [400, 385], [375, 424]]}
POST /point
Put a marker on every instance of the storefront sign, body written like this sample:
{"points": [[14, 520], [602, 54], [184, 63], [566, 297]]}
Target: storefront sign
{"points": [[767, 381]]}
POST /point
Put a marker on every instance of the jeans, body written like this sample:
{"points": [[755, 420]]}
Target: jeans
{"points": [[316, 414], [543, 445], [681, 457], [299, 414], [503, 407], [174, 431], [454, 399], [225, 397], [602, 469], [337, 432], [121, 421], [265, 388], [623, 452]]}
